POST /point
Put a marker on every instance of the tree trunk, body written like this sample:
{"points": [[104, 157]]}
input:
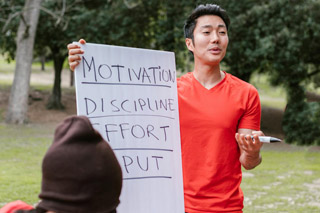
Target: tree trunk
{"points": [[43, 61], [18, 101], [55, 98]]}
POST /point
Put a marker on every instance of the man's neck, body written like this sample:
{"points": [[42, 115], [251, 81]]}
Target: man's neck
{"points": [[208, 76]]}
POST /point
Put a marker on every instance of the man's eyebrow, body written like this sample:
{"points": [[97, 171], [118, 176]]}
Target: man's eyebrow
{"points": [[206, 26], [210, 26]]}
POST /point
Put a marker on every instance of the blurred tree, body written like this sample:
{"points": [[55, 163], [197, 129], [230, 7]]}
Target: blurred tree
{"points": [[294, 61], [18, 100], [140, 23], [301, 121], [110, 22], [281, 38], [168, 29], [145, 24], [9, 21], [246, 51], [57, 28]]}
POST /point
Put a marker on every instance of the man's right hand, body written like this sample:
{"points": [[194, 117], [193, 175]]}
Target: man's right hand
{"points": [[73, 54]]}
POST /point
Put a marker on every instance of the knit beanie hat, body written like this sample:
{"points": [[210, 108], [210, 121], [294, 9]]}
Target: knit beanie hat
{"points": [[80, 172]]}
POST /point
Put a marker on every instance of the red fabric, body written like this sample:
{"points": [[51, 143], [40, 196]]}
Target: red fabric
{"points": [[209, 120], [14, 206]]}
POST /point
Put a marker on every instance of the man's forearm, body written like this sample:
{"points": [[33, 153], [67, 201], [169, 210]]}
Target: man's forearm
{"points": [[250, 161]]}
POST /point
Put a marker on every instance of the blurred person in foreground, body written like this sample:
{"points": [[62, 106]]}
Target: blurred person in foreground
{"points": [[218, 115], [80, 173]]}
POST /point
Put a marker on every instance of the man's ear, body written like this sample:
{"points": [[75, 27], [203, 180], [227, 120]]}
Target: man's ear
{"points": [[189, 44]]}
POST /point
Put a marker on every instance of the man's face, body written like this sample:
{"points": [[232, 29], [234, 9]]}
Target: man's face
{"points": [[210, 41]]}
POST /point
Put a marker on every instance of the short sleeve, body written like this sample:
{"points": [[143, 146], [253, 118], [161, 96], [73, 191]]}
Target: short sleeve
{"points": [[252, 116]]}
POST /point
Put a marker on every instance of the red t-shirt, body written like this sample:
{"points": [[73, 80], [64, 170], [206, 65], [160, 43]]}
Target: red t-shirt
{"points": [[209, 120], [15, 206]]}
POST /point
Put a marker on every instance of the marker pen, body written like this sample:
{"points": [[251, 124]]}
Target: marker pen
{"points": [[267, 139]]}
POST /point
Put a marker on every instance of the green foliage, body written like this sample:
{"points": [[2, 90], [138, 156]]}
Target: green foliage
{"points": [[278, 37], [245, 52], [302, 128], [294, 31], [10, 12], [281, 38], [301, 121]]}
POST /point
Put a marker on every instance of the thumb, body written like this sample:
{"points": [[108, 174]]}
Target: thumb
{"points": [[82, 41]]}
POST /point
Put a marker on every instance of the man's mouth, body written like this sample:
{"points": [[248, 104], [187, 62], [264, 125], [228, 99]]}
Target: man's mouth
{"points": [[215, 50]]}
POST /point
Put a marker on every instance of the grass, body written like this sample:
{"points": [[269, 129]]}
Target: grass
{"points": [[21, 152], [7, 72], [4, 85], [284, 182], [8, 68]]}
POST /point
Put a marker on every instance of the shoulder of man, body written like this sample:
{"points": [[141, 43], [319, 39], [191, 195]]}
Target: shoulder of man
{"points": [[239, 82]]}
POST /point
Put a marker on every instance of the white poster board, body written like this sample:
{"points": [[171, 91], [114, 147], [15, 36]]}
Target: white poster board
{"points": [[130, 97]]}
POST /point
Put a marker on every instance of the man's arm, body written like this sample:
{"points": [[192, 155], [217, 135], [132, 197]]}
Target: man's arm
{"points": [[249, 149]]}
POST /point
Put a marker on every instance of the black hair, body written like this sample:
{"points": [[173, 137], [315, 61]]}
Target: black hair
{"points": [[202, 10]]}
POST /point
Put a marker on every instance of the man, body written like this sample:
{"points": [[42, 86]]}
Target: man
{"points": [[218, 114], [215, 108]]}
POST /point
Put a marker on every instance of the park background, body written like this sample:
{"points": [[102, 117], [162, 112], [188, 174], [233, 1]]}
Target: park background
{"points": [[273, 44]]}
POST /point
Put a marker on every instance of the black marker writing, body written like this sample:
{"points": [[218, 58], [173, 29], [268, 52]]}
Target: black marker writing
{"points": [[136, 131], [94, 106], [111, 73], [142, 163]]}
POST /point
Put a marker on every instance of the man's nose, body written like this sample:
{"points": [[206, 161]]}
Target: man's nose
{"points": [[214, 38]]}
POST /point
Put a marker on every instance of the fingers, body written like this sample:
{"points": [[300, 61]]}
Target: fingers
{"points": [[82, 41], [241, 138], [74, 51], [73, 65], [242, 143], [74, 58], [74, 46], [255, 138], [246, 143]]}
